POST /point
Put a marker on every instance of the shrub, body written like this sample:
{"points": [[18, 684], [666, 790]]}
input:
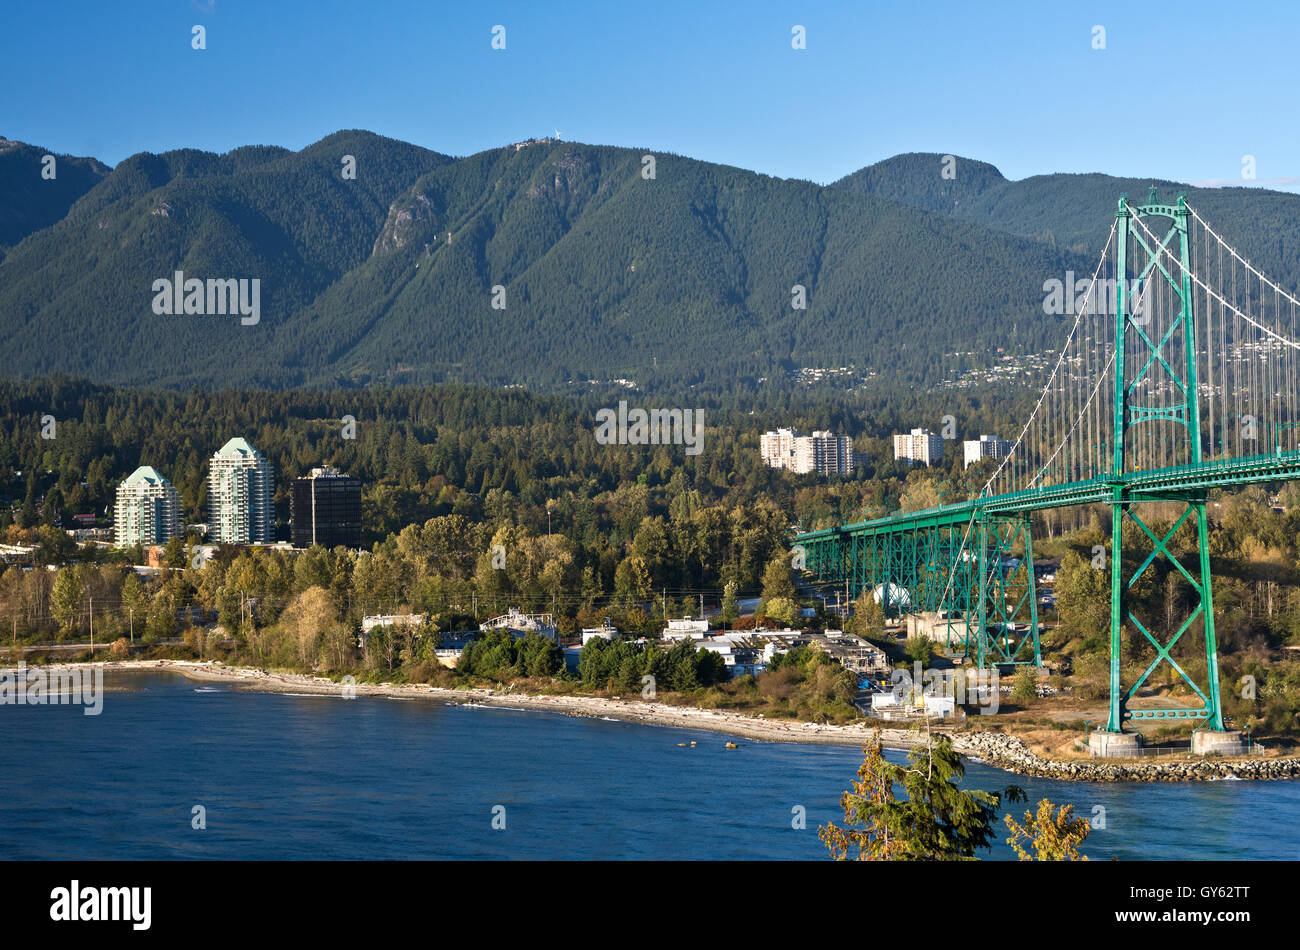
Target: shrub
{"points": [[919, 649], [1024, 686]]}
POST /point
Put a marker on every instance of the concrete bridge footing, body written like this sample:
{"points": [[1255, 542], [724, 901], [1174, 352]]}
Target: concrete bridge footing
{"points": [[1114, 745], [1207, 742]]}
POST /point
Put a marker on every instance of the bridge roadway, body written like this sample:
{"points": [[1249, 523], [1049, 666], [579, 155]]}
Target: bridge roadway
{"points": [[1163, 484]]}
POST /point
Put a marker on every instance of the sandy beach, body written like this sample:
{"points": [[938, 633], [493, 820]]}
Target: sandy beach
{"points": [[629, 710]]}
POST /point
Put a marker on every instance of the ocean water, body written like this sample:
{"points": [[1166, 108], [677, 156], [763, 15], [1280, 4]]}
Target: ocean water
{"points": [[293, 777]]}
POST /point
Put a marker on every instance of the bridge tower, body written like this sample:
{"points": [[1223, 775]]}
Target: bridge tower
{"points": [[1170, 355]]}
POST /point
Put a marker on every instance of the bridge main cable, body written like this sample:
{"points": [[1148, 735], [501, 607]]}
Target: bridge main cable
{"points": [[1078, 319], [1214, 293], [1102, 377]]}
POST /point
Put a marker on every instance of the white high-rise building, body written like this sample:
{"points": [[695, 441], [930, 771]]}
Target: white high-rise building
{"points": [[240, 495], [822, 452], [919, 445], [148, 509], [777, 447], [986, 447]]}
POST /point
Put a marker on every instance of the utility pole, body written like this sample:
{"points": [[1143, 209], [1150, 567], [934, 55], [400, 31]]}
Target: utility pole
{"points": [[92, 627]]}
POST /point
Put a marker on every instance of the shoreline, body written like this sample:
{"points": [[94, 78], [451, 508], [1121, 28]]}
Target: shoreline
{"points": [[997, 750], [733, 724]]}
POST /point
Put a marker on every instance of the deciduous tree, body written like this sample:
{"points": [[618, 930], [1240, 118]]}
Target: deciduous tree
{"points": [[1053, 833]]}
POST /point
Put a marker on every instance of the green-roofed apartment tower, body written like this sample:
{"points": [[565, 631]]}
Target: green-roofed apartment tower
{"points": [[148, 509], [240, 495]]}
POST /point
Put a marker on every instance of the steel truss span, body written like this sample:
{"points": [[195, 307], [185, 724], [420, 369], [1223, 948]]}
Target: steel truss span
{"points": [[1179, 376]]}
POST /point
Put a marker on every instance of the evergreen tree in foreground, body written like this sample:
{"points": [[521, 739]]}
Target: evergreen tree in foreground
{"points": [[935, 820]]}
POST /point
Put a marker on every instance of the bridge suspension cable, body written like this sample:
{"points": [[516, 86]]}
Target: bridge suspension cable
{"points": [[1019, 448], [1244, 365], [1164, 251], [1246, 354], [1245, 263], [1102, 377]]}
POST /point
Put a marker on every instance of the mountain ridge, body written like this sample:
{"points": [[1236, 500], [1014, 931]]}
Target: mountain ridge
{"points": [[30, 200], [1051, 207], [604, 272]]}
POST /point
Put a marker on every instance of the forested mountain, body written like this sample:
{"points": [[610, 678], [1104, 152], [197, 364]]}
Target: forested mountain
{"points": [[608, 274], [34, 193], [686, 276], [78, 294], [926, 181], [549, 264], [1075, 211]]}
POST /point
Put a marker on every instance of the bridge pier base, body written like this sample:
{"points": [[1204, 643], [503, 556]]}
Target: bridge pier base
{"points": [[1209, 742], [1114, 745]]}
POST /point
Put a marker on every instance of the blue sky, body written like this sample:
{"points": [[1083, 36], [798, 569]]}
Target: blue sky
{"points": [[1016, 84]]}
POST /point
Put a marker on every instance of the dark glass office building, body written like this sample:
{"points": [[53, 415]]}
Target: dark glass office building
{"points": [[326, 510]]}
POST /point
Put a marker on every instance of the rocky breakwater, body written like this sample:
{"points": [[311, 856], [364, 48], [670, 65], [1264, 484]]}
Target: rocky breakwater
{"points": [[1011, 754]]}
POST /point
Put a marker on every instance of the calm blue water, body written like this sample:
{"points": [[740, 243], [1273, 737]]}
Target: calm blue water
{"points": [[322, 777]]}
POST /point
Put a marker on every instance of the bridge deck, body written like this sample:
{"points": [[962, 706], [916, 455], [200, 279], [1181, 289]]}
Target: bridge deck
{"points": [[1138, 486]]}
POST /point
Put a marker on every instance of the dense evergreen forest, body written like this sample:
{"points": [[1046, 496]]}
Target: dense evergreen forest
{"points": [[477, 452], [455, 474], [552, 264], [451, 474], [687, 277], [37, 189], [455, 471]]}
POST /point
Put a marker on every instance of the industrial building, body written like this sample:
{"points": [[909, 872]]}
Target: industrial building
{"points": [[393, 620], [519, 624], [686, 628], [607, 631]]}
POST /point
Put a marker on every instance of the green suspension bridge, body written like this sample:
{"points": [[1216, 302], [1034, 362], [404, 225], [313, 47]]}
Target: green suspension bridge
{"points": [[1179, 376]]}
